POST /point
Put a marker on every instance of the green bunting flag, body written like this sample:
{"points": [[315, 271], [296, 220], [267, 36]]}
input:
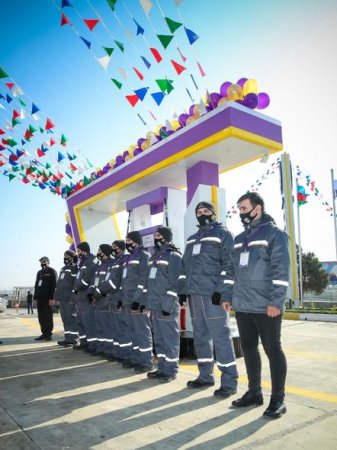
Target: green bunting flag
{"points": [[165, 85], [22, 102], [165, 39], [31, 129], [109, 50], [173, 25], [3, 74], [119, 45], [64, 139], [117, 83], [112, 4]]}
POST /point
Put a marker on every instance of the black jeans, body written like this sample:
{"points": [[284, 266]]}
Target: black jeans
{"points": [[251, 327], [45, 316]]}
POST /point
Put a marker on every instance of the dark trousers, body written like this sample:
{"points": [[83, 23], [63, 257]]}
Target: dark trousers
{"points": [[30, 307], [45, 316], [251, 327]]}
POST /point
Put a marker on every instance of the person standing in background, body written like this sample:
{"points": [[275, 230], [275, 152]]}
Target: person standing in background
{"points": [[45, 285], [29, 300]]}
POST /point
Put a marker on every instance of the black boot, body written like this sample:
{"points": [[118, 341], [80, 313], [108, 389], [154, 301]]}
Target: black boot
{"points": [[275, 409], [248, 399]]}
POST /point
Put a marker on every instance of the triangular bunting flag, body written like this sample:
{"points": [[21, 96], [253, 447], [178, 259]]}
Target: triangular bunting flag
{"points": [[123, 72], [109, 50], [169, 86], [87, 43], [117, 83], [17, 91], [3, 74], [60, 157], [22, 102], [91, 23], [64, 139], [201, 70], [35, 109], [8, 98], [158, 97], [119, 45], [9, 85], [15, 122], [140, 76], [66, 3], [179, 68], [104, 61], [141, 93], [52, 142], [156, 54], [132, 99], [140, 30], [40, 153], [165, 39], [146, 5], [181, 55], [173, 26], [16, 114], [31, 129], [49, 124], [192, 37], [65, 20], [112, 4], [11, 176], [72, 167], [146, 62], [48, 165]]}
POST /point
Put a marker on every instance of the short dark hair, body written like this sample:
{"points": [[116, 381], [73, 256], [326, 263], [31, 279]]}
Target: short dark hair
{"points": [[254, 198]]}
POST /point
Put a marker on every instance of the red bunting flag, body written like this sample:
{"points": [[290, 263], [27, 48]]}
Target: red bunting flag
{"points": [[178, 67], [72, 167], [15, 114], [52, 142], [156, 54], [49, 124], [91, 23], [40, 152], [132, 99], [28, 135], [181, 55], [64, 20], [2, 131], [9, 85], [140, 76], [60, 175]]}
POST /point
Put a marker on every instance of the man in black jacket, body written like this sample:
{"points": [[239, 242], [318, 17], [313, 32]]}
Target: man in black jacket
{"points": [[43, 295]]}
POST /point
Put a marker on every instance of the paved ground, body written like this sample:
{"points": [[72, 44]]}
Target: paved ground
{"points": [[54, 398]]}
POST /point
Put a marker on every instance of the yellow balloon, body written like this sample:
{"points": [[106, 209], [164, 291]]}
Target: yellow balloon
{"points": [[69, 239], [112, 162], [149, 134], [222, 101], [132, 147], [196, 111], [175, 124], [250, 86], [234, 92], [129, 156], [158, 127], [190, 119], [66, 216], [205, 99], [145, 145]]}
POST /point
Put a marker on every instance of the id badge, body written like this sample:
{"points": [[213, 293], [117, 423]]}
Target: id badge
{"points": [[153, 272], [124, 272], [39, 283], [196, 249], [96, 281], [244, 258], [62, 276]]}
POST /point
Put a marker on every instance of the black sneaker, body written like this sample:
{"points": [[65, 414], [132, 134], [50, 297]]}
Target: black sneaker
{"points": [[197, 384], [225, 392], [275, 409], [155, 374], [249, 399], [40, 338], [167, 378], [47, 338]]}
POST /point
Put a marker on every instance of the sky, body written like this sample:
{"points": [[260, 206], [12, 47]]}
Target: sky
{"points": [[288, 47]]}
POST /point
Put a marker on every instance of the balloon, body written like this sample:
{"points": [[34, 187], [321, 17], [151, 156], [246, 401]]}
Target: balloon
{"points": [[209, 108], [182, 119], [169, 132], [263, 100], [72, 247], [115, 165], [224, 88], [234, 92], [66, 216], [158, 137], [112, 162], [125, 153], [140, 140], [196, 111], [128, 157], [175, 124], [241, 82], [250, 100], [190, 119], [120, 160], [250, 86], [222, 101], [137, 151], [214, 98], [69, 239], [145, 145], [157, 129], [68, 228], [191, 110]]}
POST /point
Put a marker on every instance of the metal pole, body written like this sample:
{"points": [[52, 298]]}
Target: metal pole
{"points": [[299, 248], [334, 207]]}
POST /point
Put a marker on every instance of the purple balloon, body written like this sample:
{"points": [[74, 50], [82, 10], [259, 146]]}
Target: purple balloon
{"points": [[224, 87], [125, 154], [136, 151], [158, 137], [182, 119], [191, 110], [241, 82], [114, 166], [120, 160], [68, 228], [169, 132], [250, 100], [140, 140], [263, 100], [209, 108], [72, 247], [214, 98]]}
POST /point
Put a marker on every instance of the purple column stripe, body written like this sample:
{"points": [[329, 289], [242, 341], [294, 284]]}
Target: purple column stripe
{"points": [[201, 173], [150, 198]]}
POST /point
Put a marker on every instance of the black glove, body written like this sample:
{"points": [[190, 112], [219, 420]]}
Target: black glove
{"points": [[182, 299], [90, 297], [134, 306], [141, 309], [165, 313], [216, 298], [75, 291], [119, 304]]}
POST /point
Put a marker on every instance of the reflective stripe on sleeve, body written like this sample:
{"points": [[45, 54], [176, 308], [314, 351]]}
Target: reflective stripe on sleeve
{"points": [[281, 283], [228, 282], [172, 293], [254, 243], [112, 285], [211, 239], [85, 284]]}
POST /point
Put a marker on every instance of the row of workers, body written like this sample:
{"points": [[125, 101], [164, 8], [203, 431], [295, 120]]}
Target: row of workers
{"points": [[114, 307]]}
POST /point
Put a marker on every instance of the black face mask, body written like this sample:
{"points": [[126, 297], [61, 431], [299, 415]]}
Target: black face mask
{"points": [[246, 218], [66, 261], [158, 243], [204, 219], [44, 266], [81, 255], [130, 247]]}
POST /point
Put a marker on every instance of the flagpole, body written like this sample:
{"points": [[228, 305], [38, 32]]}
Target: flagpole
{"points": [[334, 207], [299, 248]]}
